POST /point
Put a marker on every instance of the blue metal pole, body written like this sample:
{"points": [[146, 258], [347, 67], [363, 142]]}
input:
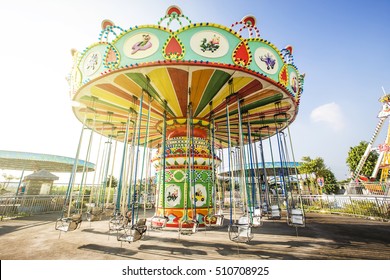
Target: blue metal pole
{"points": [[121, 174], [136, 159]]}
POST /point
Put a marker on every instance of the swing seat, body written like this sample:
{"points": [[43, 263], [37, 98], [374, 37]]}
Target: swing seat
{"points": [[297, 218], [134, 233], [256, 218], [241, 232], [109, 210], [118, 222], [257, 221], [158, 222], [94, 214], [243, 220], [69, 224], [265, 209], [188, 227], [214, 220], [148, 206], [275, 213]]}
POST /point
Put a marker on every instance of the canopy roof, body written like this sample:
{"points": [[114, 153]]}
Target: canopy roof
{"points": [[13, 160], [202, 74], [273, 169], [41, 175]]}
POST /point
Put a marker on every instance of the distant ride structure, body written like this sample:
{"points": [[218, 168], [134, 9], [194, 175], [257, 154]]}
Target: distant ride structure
{"points": [[184, 96], [383, 162], [17, 160], [42, 165]]}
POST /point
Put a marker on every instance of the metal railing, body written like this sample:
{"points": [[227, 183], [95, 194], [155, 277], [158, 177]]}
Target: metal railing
{"points": [[370, 206], [27, 205], [357, 205]]}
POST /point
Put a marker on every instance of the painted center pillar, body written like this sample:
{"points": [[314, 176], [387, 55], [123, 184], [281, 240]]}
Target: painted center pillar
{"points": [[187, 191]]}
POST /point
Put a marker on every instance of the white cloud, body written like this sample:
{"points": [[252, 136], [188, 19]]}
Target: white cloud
{"points": [[330, 114]]}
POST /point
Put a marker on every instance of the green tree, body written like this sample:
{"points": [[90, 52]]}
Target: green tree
{"points": [[4, 185], [356, 153], [312, 166], [330, 185], [112, 180], [316, 168]]}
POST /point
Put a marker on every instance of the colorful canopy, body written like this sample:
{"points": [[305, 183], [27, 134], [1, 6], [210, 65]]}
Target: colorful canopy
{"points": [[202, 73]]}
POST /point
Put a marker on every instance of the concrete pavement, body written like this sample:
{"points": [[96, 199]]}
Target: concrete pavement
{"points": [[324, 237]]}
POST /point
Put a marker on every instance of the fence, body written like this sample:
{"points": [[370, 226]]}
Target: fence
{"points": [[28, 205], [374, 206], [357, 205], [13, 206]]}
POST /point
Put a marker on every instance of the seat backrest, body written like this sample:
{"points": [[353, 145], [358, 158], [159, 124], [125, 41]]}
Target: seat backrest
{"points": [[76, 217], [274, 207], [72, 225], [257, 212], [141, 222], [243, 220], [297, 212]]}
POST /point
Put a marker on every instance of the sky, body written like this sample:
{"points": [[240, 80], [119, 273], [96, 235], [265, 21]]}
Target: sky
{"points": [[342, 47]]}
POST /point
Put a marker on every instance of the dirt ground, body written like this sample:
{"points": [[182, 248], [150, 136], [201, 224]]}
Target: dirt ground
{"points": [[325, 237]]}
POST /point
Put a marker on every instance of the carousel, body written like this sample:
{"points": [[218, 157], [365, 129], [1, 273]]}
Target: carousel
{"points": [[179, 104]]}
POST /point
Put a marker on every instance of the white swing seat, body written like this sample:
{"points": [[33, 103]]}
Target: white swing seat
{"points": [[244, 233], [188, 227], [243, 220], [241, 232], [69, 223], [158, 222], [257, 221], [265, 209], [297, 218], [256, 218], [214, 220], [118, 222], [220, 219], [134, 233], [275, 212], [257, 212]]}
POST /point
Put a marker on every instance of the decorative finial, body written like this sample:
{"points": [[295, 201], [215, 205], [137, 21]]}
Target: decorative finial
{"points": [[174, 13], [106, 23], [174, 10], [248, 22]]}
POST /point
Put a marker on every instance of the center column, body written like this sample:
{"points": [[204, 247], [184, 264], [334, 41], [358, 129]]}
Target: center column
{"points": [[187, 194]]}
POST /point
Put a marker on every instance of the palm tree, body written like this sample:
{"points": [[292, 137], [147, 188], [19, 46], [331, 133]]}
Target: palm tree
{"points": [[7, 180]]}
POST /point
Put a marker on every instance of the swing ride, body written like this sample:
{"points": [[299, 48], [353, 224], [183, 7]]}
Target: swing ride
{"points": [[183, 102]]}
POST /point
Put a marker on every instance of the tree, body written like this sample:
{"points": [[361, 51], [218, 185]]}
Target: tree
{"points": [[330, 185], [5, 184], [316, 168], [312, 166], [112, 180], [356, 153]]}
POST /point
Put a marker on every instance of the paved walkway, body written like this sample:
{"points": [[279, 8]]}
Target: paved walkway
{"points": [[324, 237]]}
